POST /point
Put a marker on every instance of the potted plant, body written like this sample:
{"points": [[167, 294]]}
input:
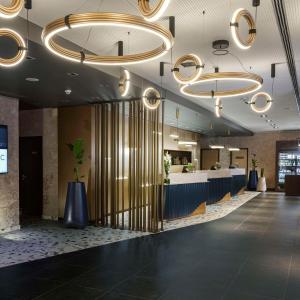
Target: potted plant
{"points": [[253, 177], [167, 166], [76, 211], [261, 185]]}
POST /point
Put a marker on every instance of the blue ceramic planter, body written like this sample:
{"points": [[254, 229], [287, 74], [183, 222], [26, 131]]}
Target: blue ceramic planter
{"points": [[76, 211], [253, 180]]}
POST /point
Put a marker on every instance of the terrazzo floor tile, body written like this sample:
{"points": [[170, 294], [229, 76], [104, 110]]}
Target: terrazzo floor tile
{"points": [[46, 239]]}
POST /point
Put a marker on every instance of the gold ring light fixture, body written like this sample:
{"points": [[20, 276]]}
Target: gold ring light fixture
{"points": [[189, 60], [20, 55], [263, 109], [255, 83], [153, 14], [218, 107], [151, 98], [106, 19], [12, 10], [234, 24], [124, 83]]}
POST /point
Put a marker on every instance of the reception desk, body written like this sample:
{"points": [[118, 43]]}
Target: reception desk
{"points": [[239, 181], [188, 193]]}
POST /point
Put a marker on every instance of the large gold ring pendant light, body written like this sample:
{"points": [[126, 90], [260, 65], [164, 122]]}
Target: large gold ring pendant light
{"points": [[106, 19], [153, 14], [21, 53], [261, 110], [151, 98], [187, 58], [255, 83], [11, 11], [124, 83], [238, 14]]}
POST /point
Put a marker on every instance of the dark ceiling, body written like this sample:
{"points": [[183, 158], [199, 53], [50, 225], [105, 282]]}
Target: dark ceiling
{"points": [[55, 76], [88, 86]]}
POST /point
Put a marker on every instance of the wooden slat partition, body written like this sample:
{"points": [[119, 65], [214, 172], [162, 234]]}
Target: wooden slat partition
{"points": [[127, 165]]}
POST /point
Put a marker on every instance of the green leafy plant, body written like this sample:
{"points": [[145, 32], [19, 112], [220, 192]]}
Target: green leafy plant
{"points": [[254, 162], [77, 149], [190, 167]]}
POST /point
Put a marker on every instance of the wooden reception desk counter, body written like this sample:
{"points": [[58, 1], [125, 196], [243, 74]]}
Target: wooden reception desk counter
{"points": [[188, 193]]}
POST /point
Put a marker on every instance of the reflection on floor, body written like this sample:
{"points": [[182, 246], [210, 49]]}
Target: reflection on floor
{"points": [[46, 239], [251, 254]]}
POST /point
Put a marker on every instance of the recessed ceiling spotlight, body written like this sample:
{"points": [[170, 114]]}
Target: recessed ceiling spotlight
{"points": [[263, 116], [72, 74], [28, 57], [32, 79], [68, 91], [268, 120]]}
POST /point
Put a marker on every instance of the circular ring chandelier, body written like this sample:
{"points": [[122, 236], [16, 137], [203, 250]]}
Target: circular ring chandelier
{"points": [[255, 83], [218, 107], [12, 10], [153, 14], [261, 110], [106, 19], [151, 98], [124, 83], [195, 60], [20, 55], [238, 14]]}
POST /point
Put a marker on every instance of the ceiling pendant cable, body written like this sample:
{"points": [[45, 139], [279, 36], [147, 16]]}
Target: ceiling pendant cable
{"points": [[28, 6]]}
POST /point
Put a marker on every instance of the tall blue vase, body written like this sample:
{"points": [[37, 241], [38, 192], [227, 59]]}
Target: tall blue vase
{"points": [[253, 180], [76, 211]]}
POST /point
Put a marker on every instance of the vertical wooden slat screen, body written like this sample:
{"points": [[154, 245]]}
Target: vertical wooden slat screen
{"points": [[127, 166]]}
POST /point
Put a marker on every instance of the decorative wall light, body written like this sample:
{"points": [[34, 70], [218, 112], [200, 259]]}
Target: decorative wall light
{"points": [[255, 83], [12, 10], [216, 147], [234, 25], [232, 149], [124, 83], [20, 55], [174, 136], [263, 109], [191, 143], [218, 107], [106, 19], [153, 14], [151, 98], [192, 60]]}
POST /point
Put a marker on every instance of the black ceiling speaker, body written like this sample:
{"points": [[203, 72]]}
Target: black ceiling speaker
{"points": [[28, 4], [221, 47], [256, 3], [273, 70], [220, 44], [172, 25]]}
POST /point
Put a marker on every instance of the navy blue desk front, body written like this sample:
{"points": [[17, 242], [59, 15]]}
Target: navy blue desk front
{"points": [[181, 200], [218, 189], [239, 182]]}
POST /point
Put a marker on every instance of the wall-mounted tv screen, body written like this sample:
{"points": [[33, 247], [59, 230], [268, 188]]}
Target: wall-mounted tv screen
{"points": [[3, 149]]}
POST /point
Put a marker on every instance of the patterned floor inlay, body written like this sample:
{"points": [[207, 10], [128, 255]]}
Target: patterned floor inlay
{"points": [[46, 239]]}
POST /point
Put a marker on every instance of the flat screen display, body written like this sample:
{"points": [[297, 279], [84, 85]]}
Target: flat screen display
{"points": [[3, 149]]}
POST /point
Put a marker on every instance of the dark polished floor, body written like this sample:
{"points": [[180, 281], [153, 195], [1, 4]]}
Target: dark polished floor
{"points": [[252, 254]]}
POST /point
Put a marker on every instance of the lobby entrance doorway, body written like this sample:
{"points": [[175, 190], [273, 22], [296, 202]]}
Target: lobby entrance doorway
{"points": [[31, 178]]}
